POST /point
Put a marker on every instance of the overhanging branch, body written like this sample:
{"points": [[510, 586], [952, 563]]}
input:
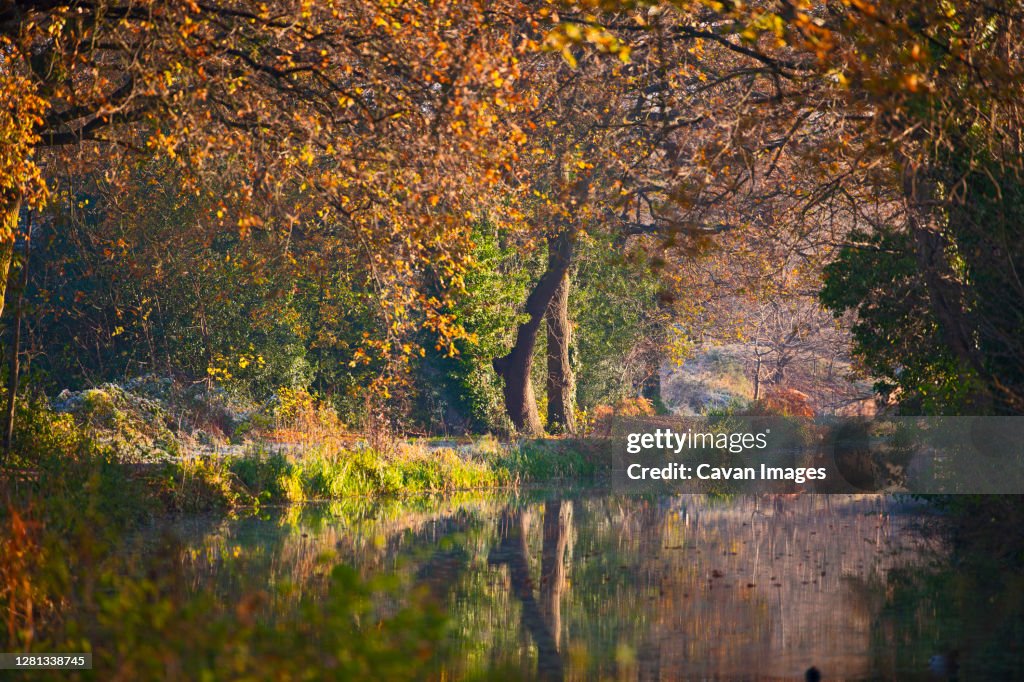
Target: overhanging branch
{"points": [[634, 228]]}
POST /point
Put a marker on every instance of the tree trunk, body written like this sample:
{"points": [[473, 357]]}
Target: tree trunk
{"points": [[650, 387], [514, 368], [757, 375], [12, 374], [10, 212], [557, 522], [512, 552], [561, 384], [945, 292]]}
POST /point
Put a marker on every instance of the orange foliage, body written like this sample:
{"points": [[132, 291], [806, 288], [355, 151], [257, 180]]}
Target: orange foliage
{"points": [[19, 554], [604, 415], [789, 402]]}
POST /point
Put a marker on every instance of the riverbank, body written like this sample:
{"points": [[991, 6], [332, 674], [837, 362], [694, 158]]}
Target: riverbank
{"points": [[77, 455]]}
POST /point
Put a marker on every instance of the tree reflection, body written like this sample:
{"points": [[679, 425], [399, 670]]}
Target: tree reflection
{"points": [[541, 618], [663, 587]]}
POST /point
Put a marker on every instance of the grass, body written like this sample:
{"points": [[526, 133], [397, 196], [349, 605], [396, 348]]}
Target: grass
{"points": [[327, 474], [56, 454], [133, 491], [360, 472]]}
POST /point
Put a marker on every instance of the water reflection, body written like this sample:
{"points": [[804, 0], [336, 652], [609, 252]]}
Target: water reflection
{"points": [[542, 619], [603, 586]]}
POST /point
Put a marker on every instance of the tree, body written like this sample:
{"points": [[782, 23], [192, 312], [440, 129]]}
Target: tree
{"points": [[646, 144], [895, 334], [21, 182], [372, 124], [373, 132], [938, 138], [901, 116], [515, 367]]}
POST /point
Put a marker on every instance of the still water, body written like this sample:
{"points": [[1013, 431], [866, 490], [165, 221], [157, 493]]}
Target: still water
{"points": [[596, 585]]}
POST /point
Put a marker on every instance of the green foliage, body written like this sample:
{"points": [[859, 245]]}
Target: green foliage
{"points": [[242, 314], [39, 432], [68, 581], [187, 304], [464, 391], [541, 460], [198, 484], [344, 635], [617, 323], [68, 461], [907, 308], [133, 425], [267, 476], [896, 335]]}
